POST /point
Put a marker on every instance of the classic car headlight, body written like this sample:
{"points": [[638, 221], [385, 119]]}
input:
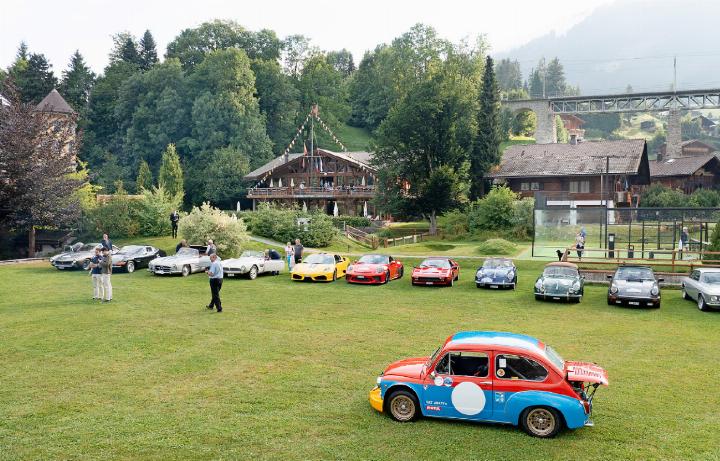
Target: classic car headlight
{"points": [[714, 299], [378, 380], [540, 285], [174, 267], [576, 287], [510, 275], [655, 290], [242, 268], [613, 288], [379, 270], [350, 268]]}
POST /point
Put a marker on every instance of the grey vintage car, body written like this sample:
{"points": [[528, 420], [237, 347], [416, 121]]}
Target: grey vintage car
{"points": [[703, 286], [185, 262], [76, 256], [560, 281], [634, 286]]}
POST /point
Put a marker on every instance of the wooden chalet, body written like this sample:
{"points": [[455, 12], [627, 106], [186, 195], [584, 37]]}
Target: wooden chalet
{"points": [[587, 173], [574, 126], [321, 180], [687, 173], [688, 148]]}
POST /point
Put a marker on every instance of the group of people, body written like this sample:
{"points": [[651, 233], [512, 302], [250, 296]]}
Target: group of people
{"points": [[293, 253], [100, 269]]}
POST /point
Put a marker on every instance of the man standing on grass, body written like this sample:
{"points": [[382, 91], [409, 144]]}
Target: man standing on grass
{"points": [[298, 251], [215, 272], [96, 274], [174, 218], [106, 242], [105, 273]]}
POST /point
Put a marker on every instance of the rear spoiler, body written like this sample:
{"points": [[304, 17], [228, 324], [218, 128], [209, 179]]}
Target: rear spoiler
{"points": [[586, 372]]}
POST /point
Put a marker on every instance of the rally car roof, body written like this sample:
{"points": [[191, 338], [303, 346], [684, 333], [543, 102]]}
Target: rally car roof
{"points": [[496, 338]]}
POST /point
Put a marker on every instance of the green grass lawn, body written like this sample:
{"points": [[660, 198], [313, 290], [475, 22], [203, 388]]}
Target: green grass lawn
{"points": [[284, 371], [354, 138]]}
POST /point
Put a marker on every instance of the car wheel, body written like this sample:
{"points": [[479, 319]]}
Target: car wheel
{"points": [[334, 275], [86, 264], [701, 303], [130, 267], [252, 274], [185, 271], [610, 303], [538, 298], [684, 294], [403, 406], [541, 422], [387, 277], [452, 282]]}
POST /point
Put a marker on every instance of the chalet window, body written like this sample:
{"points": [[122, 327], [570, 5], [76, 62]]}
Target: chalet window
{"points": [[525, 186], [580, 186], [535, 186]]}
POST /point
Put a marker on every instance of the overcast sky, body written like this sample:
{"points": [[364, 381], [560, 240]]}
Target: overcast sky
{"points": [[58, 27]]}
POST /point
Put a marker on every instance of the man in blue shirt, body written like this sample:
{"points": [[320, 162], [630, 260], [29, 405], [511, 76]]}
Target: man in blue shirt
{"points": [[215, 272]]}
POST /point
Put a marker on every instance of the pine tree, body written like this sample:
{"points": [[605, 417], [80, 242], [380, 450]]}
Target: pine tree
{"points": [[18, 68], [144, 177], [171, 174], [555, 84], [77, 81], [147, 51], [39, 79], [486, 152]]}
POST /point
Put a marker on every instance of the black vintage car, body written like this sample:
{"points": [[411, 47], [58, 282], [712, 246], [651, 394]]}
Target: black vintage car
{"points": [[131, 257]]}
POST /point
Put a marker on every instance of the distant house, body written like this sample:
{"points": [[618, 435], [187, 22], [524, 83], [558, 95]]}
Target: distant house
{"points": [[687, 173], [571, 174], [574, 126], [707, 125], [648, 125], [688, 148], [320, 180]]}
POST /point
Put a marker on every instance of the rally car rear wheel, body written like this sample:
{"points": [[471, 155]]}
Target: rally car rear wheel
{"points": [[403, 406], [541, 422]]}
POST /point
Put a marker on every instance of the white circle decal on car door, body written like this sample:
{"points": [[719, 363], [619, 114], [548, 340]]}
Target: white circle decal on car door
{"points": [[468, 398]]}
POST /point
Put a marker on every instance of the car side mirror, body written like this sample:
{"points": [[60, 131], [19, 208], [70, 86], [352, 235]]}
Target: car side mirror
{"points": [[432, 374]]}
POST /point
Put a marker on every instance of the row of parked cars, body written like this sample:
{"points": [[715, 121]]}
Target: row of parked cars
{"points": [[559, 281]]}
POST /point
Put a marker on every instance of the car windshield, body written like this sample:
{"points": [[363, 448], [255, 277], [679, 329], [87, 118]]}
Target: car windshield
{"points": [[252, 254], [374, 259], [88, 247], [433, 357], [554, 357], [439, 263], [131, 249], [711, 278], [634, 273], [560, 271], [496, 263], [187, 252], [320, 259]]}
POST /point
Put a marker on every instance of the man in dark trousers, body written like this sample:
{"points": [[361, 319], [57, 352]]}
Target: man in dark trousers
{"points": [[215, 272], [106, 243], [298, 251], [174, 218]]}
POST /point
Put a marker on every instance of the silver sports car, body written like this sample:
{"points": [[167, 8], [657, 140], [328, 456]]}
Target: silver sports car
{"points": [[703, 286], [76, 256], [186, 261], [250, 264], [635, 286]]}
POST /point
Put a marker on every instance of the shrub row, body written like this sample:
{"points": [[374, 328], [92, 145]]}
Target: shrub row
{"points": [[283, 225]]}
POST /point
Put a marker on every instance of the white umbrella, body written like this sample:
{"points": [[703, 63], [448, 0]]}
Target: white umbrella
{"points": [[292, 182], [363, 181], [304, 206], [335, 210], [365, 209], [280, 182], [238, 205], [272, 184]]}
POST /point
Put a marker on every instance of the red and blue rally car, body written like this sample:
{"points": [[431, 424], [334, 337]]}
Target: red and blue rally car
{"points": [[492, 377]]}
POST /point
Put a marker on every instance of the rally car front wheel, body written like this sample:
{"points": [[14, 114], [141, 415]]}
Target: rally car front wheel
{"points": [[541, 422], [403, 406]]}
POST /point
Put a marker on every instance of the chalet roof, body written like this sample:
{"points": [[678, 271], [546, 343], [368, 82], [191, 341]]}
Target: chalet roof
{"points": [[361, 159], [567, 117], [53, 102], [585, 158], [680, 166]]}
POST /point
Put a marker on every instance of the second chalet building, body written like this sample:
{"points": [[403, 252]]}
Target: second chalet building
{"points": [[321, 180]]}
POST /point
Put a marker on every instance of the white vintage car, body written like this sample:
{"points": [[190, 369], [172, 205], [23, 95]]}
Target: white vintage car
{"points": [[250, 264], [703, 286], [186, 261]]}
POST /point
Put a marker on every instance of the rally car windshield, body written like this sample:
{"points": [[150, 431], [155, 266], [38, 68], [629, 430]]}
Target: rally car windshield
{"points": [[496, 263], [374, 259], [320, 259], [634, 273], [439, 263], [560, 272], [712, 278], [252, 254], [554, 357]]}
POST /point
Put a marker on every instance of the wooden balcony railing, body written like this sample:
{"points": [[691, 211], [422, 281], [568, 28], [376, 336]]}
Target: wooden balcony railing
{"points": [[323, 192]]}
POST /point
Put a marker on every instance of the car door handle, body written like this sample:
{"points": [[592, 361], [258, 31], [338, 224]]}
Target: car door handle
{"points": [[486, 383]]}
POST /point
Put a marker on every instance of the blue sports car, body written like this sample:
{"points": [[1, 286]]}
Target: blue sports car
{"points": [[496, 273]]}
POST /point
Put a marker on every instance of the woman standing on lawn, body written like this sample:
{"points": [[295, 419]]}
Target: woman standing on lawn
{"points": [[289, 255]]}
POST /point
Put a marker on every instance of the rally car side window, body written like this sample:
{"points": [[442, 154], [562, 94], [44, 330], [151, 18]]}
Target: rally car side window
{"points": [[463, 364], [516, 367]]}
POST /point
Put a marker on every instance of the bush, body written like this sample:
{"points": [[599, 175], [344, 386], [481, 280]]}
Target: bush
{"points": [[354, 221], [494, 211], [116, 217], [454, 223], [704, 198], [659, 196], [153, 211], [522, 218], [497, 247], [205, 222], [282, 225]]}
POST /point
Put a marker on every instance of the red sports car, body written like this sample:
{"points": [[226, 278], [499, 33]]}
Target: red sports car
{"points": [[436, 271], [374, 269]]}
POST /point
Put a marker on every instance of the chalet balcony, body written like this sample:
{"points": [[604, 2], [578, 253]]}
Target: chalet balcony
{"points": [[360, 192]]}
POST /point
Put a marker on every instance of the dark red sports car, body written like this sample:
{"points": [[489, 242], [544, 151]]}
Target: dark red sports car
{"points": [[436, 271], [374, 269]]}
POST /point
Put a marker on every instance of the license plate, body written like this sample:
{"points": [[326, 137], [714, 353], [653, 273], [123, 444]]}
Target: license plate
{"points": [[556, 298], [360, 276], [60, 267], [493, 286], [428, 283], [634, 303], [231, 275]]}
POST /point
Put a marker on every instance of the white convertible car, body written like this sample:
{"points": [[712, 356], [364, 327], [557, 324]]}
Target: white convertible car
{"points": [[186, 261], [250, 264]]}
